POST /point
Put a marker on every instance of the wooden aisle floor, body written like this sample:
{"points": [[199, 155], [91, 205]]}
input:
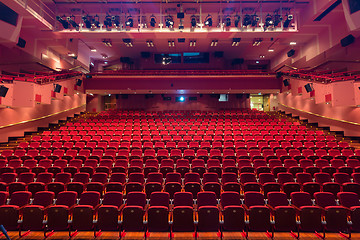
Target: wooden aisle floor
{"points": [[182, 236]]}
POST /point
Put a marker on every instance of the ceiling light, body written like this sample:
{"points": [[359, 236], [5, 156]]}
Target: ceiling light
{"points": [[257, 62], [107, 42], [270, 50], [92, 49], [236, 42], [171, 43], [292, 43], [127, 42], [150, 43], [213, 43], [257, 42], [104, 55]]}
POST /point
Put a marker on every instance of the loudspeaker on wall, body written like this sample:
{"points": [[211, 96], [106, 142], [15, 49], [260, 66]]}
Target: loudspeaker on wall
{"points": [[57, 88], [78, 82], [346, 41], [3, 91], [309, 87], [291, 53]]}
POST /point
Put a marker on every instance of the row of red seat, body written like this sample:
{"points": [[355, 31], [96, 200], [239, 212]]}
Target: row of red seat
{"points": [[195, 181], [207, 215], [193, 149], [108, 141]]}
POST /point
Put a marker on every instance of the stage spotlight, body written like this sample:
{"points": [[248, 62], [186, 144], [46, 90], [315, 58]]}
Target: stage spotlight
{"points": [[237, 20], [277, 20], [208, 21], [152, 21], [288, 20], [95, 22], [64, 23], [86, 21], [268, 22], [129, 22], [116, 21], [71, 20], [108, 22], [228, 21], [247, 20], [255, 20], [193, 21], [169, 22]]}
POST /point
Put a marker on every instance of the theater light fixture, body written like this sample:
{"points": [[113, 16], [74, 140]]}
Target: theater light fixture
{"points": [[87, 21], [208, 21], [269, 22], [247, 20], [193, 21], [236, 20], [116, 21], [63, 21], [254, 21], [169, 22], [277, 20], [152, 21], [129, 21], [95, 22], [288, 20], [108, 23], [227, 21], [72, 22]]}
